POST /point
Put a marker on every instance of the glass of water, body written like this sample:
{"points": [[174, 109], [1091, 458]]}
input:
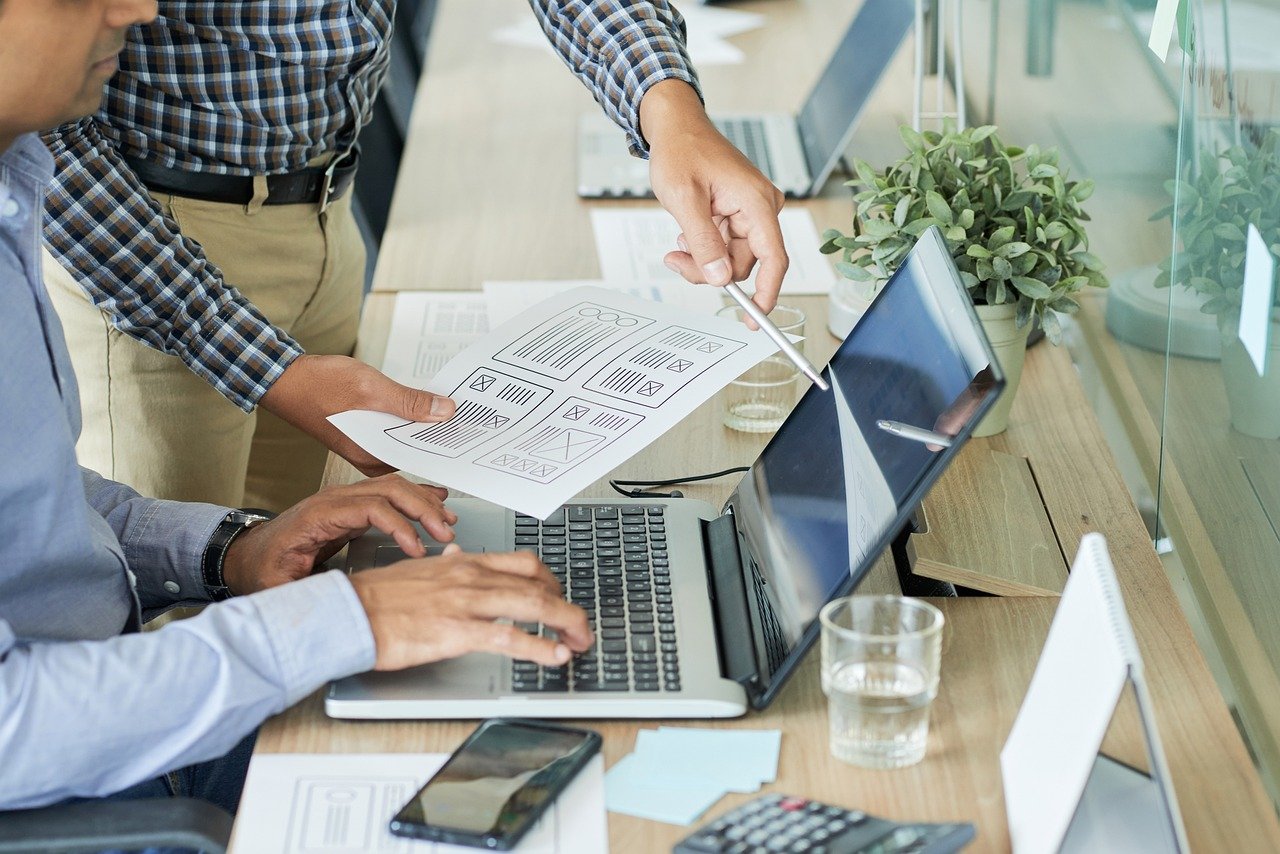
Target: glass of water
{"points": [[760, 400], [880, 661]]}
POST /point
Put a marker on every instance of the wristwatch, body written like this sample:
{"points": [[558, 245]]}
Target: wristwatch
{"points": [[232, 525]]}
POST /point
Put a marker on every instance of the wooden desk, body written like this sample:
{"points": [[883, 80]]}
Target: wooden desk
{"points": [[486, 192]]}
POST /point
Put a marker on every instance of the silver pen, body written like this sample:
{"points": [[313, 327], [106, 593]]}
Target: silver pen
{"points": [[918, 434], [784, 344]]}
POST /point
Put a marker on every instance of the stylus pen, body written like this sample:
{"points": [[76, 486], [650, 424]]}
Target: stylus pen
{"points": [[788, 349], [919, 434]]}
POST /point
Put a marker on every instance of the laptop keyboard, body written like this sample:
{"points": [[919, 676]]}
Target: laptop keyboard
{"points": [[612, 562], [747, 135]]}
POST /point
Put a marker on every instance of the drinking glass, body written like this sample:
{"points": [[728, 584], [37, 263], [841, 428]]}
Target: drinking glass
{"points": [[760, 400], [880, 662]]}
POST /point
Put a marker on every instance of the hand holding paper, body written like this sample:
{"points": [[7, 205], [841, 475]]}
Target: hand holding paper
{"points": [[560, 396]]}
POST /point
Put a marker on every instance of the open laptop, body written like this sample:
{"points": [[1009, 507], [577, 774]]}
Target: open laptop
{"points": [[702, 612], [797, 153]]}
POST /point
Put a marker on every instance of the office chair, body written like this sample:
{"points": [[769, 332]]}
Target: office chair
{"points": [[116, 825]]}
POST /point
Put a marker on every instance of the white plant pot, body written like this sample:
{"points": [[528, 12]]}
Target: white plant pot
{"points": [[1010, 345], [1254, 401], [847, 303]]}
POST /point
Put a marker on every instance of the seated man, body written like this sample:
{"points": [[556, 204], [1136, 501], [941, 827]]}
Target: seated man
{"points": [[89, 706]]}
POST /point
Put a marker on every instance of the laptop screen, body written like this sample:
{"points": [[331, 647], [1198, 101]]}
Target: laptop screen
{"points": [[826, 120], [833, 488]]}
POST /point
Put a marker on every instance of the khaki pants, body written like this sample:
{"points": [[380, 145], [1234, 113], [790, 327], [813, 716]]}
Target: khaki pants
{"points": [[151, 423]]}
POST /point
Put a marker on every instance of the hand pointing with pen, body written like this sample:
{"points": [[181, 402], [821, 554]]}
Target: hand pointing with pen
{"points": [[726, 209]]}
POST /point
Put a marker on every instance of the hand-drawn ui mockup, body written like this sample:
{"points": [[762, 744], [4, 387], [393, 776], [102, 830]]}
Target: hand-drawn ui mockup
{"points": [[558, 397]]}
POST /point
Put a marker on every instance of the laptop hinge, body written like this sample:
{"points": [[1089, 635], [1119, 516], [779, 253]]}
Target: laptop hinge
{"points": [[729, 601]]}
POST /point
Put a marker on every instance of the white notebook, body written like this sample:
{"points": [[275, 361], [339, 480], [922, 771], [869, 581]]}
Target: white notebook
{"points": [[1060, 794]]}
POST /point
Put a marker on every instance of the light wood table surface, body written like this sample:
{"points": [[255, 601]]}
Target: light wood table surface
{"points": [[486, 192]]}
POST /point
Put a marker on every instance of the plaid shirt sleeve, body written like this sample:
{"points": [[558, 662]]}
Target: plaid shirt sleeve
{"points": [[619, 48], [156, 285]]}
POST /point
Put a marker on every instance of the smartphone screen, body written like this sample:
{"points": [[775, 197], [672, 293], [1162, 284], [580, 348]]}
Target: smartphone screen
{"points": [[497, 784]]}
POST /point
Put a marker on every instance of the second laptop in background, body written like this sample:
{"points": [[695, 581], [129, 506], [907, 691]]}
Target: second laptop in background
{"points": [[796, 152]]}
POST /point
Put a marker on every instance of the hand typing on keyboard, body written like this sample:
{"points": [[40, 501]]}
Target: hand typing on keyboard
{"points": [[726, 209], [612, 561], [442, 607]]}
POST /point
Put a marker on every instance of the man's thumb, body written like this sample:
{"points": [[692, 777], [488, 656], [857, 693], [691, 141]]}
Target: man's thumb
{"points": [[419, 405], [704, 242]]}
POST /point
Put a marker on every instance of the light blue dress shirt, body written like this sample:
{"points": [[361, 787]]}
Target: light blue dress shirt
{"points": [[88, 706]]}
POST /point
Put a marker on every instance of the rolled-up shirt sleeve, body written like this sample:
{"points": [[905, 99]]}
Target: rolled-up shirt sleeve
{"points": [[619, 49], [89, 718], [155, 284]]}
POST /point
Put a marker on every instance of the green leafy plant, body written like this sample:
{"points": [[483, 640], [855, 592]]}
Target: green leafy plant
{"points": [[1010, 217], [1235, 187]]}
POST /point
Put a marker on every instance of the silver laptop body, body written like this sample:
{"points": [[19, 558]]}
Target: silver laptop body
{"points": [[729, 601], [798, 153], [481, 685]]}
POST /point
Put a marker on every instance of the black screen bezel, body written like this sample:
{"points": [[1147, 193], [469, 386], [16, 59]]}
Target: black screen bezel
{"points": [[762, 690]]}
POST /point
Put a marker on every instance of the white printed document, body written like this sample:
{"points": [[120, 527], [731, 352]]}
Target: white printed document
{"points": [[428, 328], [318, 803], [561, 395], [631, 243], [506, 300]]}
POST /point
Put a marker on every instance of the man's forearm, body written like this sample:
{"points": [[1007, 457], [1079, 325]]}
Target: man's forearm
{"points": [[156, 285], [89, 718]]}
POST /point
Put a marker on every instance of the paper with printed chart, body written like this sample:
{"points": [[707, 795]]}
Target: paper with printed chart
{"points": [[558, 397], [319, 803], [632, 242], [428, 328], [508, 299]]}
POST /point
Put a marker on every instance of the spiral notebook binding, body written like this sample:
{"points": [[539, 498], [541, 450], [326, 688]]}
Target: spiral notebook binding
{"points": [[1094, 547]]}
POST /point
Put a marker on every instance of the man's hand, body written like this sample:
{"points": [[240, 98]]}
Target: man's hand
{"points": [[314, 387], [727, 210], [443, 607], [291, 545]]}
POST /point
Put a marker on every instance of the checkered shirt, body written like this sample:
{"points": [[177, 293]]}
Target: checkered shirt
{"points": [[264, 88]]}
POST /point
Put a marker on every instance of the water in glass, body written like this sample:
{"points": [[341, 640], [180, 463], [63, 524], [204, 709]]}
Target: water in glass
{"points": [[879, 713]]}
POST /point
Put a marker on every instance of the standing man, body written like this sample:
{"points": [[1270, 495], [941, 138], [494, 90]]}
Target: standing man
{"points": [[203, 213]]}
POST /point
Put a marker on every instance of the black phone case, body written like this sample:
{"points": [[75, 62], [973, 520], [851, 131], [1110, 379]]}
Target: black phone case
{"points": [[413, 830]]}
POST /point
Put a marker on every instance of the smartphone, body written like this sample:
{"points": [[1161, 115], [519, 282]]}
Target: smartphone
{"points": [[497, 784]]}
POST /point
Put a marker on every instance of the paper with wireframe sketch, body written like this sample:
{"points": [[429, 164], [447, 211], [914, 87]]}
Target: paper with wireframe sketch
{"points": [[561, 395]]}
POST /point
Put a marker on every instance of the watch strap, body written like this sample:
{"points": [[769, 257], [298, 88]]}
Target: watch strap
{"points": [[232, 525]]}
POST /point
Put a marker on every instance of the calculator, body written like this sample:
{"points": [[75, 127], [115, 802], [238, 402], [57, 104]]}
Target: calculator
{"points": [[780, 823]]}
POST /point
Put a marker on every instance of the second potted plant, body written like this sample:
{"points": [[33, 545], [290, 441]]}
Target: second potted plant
{"points": [[1010, 217], [1235, 188]]}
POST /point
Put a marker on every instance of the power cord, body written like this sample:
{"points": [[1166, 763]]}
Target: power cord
{"points": [[619, 485]]}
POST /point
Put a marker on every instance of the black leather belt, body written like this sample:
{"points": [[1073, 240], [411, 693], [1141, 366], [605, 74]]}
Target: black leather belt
{"points": [[322, 185]]}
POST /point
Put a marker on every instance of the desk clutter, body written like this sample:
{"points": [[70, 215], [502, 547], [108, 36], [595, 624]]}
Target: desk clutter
{"points": [[299, 803], [675, 774]]}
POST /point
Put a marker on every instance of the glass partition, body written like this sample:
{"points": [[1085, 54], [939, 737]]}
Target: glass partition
{"points": [[1179, 355]]}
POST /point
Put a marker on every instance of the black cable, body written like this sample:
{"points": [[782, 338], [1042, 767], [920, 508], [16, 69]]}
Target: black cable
{"points": [[644, 493]]}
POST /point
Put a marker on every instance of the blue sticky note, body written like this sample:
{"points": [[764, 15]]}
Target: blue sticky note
{"points": [[741, 760], [629, 789]]}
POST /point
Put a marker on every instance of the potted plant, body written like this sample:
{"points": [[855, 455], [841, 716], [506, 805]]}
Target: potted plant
{"points": [[1235, 188], [1010, 217]]}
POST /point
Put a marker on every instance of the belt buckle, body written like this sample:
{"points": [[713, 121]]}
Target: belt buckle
{"points": [[326, 186]]}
